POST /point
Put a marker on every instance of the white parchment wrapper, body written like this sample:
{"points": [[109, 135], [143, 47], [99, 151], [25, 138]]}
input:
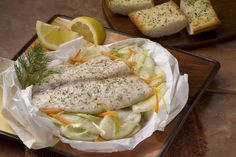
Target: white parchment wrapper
{"points": [[37, 131]]}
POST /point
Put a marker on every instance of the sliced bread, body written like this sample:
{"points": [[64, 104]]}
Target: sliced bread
{"points": [[162, 20], [200, 14], [126, 6]]}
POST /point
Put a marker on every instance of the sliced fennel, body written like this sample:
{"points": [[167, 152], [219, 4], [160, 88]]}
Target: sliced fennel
{"points": [[116, 53], [149, 104], [99, 128], [76, 132], [92, 56], [133, 47], [161, 90], [126, 122], [146, 72], [126, 52], [149, 70], [159, 72], [144, 106], [116, 125], [149, 63], [90, 51], [136, 130], [85, 123], [108, 124], [89, 117], [140, 62]]}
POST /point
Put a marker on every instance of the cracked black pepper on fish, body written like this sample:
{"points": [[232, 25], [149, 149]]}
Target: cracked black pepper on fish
{"points": [[82, 88]]}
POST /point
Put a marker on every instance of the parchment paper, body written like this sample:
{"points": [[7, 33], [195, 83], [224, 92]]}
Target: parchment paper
{"points": [[37, 131]]}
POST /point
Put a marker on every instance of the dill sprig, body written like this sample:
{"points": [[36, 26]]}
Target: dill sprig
{"points": [[32, 67]]}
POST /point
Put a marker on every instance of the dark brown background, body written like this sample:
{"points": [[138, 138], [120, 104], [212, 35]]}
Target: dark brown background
{"points": [[217, 111]]}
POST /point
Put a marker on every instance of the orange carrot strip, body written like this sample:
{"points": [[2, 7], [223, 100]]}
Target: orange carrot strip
{"points": [[144, 80], [156, 96], [108, 113], [50, 110], [151, 79], [131, 53], [112, 57], [60, 118], [130, 63], [77, 58], [156, 78]]}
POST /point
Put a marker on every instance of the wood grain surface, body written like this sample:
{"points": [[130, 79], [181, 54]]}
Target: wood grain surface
{"points": [[216, 111], [224, 9]]}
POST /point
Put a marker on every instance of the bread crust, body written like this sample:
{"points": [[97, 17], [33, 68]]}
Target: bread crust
{"points": [[138, 23], [212, 24], [154, 29], [123, 8], [201, 26]]}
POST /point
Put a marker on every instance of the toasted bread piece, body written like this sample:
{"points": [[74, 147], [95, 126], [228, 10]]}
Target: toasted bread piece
{"points": [[161, 20], [126, 6], [200, 14]]}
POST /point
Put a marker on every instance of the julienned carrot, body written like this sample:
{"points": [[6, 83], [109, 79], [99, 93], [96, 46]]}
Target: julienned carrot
{"points": [[108, 113], [156, 96], [53, 112], [156, 78], [130, 63], [113, 57], [77, 58], [50, 110], [145, 80], [131, 53], [60, 118], [151, 79]]}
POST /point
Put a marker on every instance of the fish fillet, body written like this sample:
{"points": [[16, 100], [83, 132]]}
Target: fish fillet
{"points": [[91, 96], [98, 68]]}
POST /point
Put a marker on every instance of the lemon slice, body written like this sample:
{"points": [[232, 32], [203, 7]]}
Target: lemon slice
{"points": [[90, 28], [53, 36]]}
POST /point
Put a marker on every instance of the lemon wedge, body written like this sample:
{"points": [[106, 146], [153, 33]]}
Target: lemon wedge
{"points": [[92, 30], [53, 36]]}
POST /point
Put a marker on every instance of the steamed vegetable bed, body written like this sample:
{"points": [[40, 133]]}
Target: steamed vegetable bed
{"points": [[117, 124]]}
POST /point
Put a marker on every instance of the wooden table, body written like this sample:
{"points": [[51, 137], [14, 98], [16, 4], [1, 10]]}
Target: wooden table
{"points": [[217, 111]]}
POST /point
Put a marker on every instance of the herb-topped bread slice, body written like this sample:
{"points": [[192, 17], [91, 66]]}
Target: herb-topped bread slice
{"points": [[201, 15], [161, 20], [126, 6]]}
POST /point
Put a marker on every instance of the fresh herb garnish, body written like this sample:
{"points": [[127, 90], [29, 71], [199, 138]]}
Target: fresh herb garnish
{"points": [[32, 67]]}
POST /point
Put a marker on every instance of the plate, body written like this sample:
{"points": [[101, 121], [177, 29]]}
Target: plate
{"points": [[224, 9], [201, 71]]}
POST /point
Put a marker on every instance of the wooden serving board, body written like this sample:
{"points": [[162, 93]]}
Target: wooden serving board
{"points": [[201, 71], [225, 9]]}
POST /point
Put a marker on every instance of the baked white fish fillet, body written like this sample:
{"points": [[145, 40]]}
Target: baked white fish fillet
{"points": [[91, 96], [87, 87], [98, 68]]}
